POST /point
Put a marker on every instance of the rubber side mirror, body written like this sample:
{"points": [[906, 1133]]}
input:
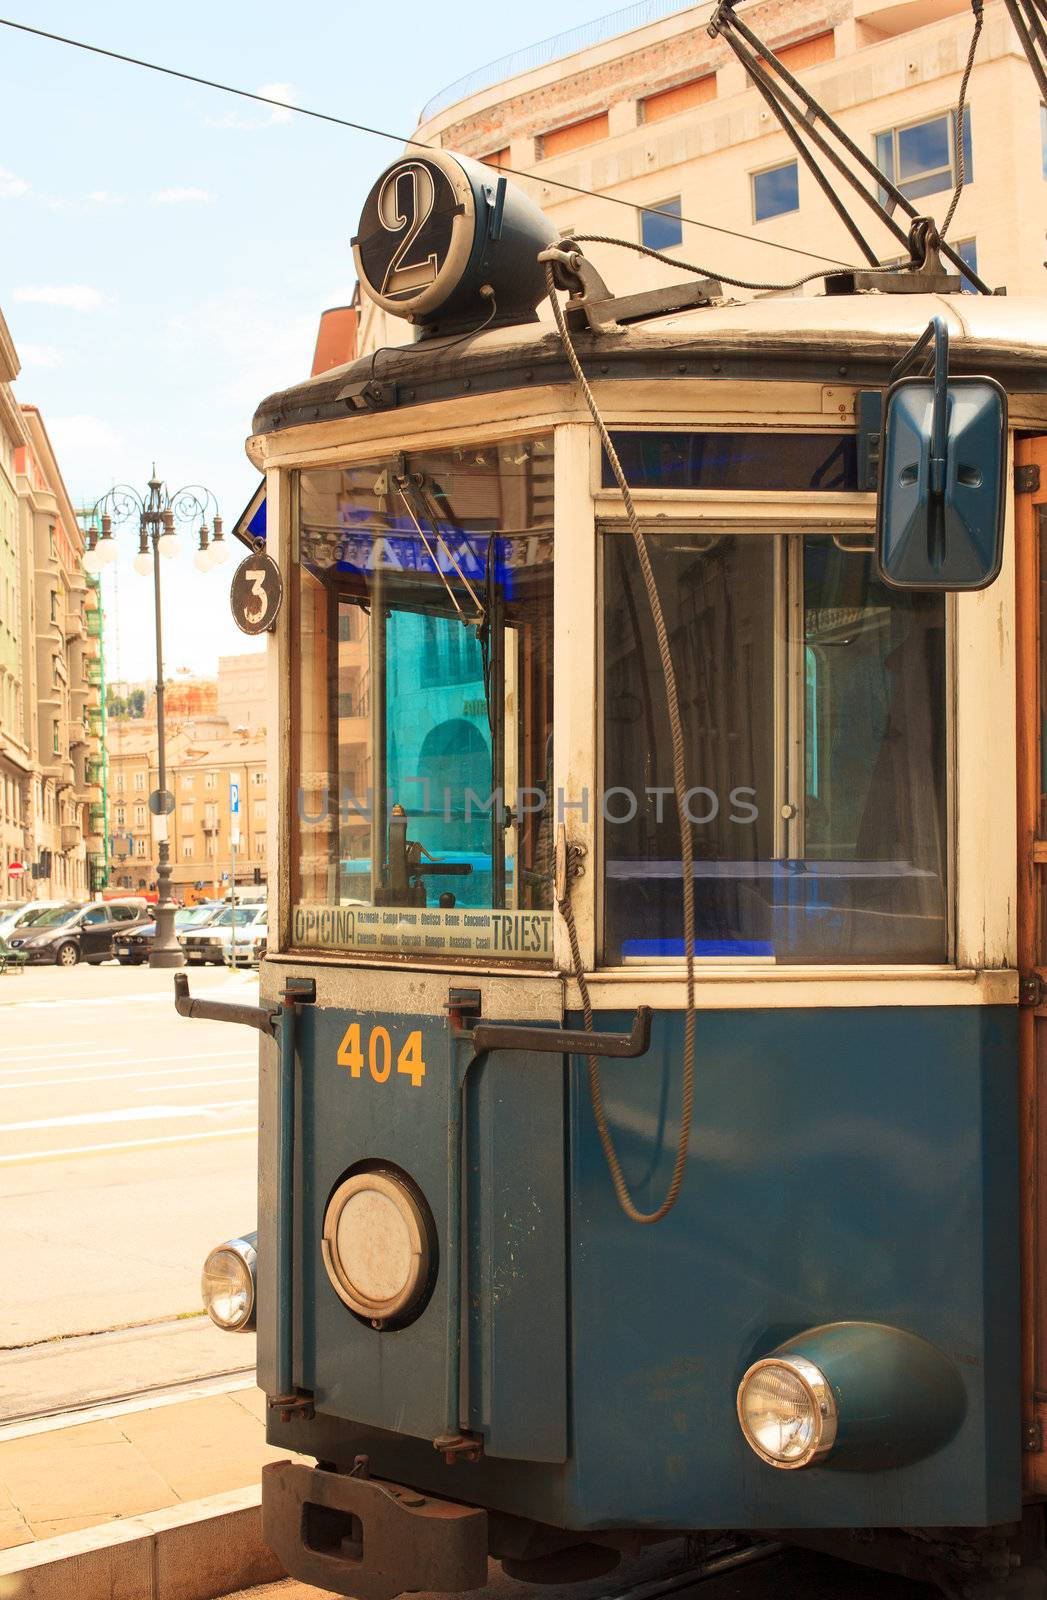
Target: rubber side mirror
{"points": [[943, 455]]}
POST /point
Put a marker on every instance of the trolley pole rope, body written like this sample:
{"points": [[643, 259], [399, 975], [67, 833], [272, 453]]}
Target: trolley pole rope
{"points": [[672, 701]]}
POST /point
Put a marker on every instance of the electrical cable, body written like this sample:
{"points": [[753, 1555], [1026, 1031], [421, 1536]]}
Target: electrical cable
{"points": [[396, 138], [708, 272], [979, 18], [672, 701]]}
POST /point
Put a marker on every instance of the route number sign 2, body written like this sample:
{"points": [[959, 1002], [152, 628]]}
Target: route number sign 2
{"points": [[257, 593]]}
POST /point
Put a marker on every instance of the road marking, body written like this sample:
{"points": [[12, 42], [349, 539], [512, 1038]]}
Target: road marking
{"points": [[50, 1048], [207, 1063], [84, 1119], [125, 1144], [212, 1083]]}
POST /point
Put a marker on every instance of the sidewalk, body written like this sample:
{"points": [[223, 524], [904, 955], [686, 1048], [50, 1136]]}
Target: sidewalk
{"points": [[130, 1462]]}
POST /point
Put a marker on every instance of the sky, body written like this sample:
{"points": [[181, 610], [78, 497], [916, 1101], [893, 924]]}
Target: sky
{"points": [[166, 250]]}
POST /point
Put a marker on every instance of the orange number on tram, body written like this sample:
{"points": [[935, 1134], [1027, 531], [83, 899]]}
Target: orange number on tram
{"points": [[349, 1053], [380, 1039], [410, 1059]]}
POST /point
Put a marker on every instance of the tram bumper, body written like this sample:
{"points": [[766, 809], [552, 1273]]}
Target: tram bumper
{"points": [[369, 1538]]}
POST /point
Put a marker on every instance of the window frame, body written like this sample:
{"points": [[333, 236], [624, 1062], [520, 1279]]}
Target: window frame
{"points": [[656, 211], [669, 512], [948, 116], [763, 172]]}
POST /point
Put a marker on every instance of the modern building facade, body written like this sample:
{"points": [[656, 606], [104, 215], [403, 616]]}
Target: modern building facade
{"points": [[662, 115], [51, 772]]}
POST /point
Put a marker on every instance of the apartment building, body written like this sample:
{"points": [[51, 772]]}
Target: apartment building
{"points": [[51, 813], [200, 773], [16, 746], [645, 107]]}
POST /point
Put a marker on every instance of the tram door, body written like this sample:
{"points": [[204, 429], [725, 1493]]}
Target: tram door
{"points": [[1031, 589]]}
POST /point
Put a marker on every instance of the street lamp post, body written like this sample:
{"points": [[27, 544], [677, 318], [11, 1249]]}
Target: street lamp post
{"points": [[157, 513]]}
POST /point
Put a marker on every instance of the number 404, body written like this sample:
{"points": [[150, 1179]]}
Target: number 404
{"points": [[379, 1057]]}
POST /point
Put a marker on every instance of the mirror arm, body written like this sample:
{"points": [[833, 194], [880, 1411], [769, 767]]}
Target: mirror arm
{"points": [[939, 425]]}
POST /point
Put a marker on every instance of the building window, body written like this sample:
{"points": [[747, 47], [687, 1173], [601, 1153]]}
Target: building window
{"points": [[967, 250], [558, 141], [259, 811], [211, 816], [807, 52], [139, 816], [188, 815], [188, 849], [56, 676], [51, 539], [921, 158], [186, 781], [660, 227], [140, 845], [118, 783], [54, 605], [776, 191], [140, 782], [258, 777], [211, 780], [55, 737], [681, 97], [121, 816], [497, 159]]}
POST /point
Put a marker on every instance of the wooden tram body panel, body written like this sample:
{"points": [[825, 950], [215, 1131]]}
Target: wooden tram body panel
{"points": [[857, 1151]]}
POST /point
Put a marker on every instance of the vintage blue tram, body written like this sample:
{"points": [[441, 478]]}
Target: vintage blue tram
{"points": [[552, 1262]]}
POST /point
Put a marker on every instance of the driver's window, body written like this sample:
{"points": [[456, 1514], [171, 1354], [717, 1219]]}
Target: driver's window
{"points": [[92, 919], [424, 710]]}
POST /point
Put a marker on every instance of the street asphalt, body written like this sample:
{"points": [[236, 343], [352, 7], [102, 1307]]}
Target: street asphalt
{"points": [[127, 1150]]}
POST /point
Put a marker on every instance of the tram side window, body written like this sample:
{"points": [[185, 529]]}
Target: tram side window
{"points": [[424, 706], [813, 701]]}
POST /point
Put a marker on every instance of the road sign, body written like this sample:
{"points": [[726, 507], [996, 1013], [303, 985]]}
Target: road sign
{"points": [[234, 796], [161, 802], [15, 869], [257, 593]]}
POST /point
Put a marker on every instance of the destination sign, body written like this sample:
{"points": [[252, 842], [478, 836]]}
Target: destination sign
{"points": [[425, 930]]}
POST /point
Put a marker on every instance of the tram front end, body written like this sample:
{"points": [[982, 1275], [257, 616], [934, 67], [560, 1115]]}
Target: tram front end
{"points": [[552, 1262]]}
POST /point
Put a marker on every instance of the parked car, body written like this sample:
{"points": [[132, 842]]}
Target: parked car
{"points": [[132, 947], [71, 933], [209, 944], [15, 918], [250, 944]]}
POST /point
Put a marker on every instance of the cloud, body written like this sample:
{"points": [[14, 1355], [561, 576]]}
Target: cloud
{"points": [[82, 443], [105, 197], [71, 296], [268, 116], [39, 355], [10, 186], [183, 197]]}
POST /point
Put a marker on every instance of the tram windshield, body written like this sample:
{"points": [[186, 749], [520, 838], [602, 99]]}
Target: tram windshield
{"points": [[813, 700], [424, 745]]}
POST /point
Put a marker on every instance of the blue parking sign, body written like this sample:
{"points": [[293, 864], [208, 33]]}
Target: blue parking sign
{"points": [[234, 797]]}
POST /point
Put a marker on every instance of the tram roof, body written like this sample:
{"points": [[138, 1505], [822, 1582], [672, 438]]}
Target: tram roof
{"points": [[853, 339]]}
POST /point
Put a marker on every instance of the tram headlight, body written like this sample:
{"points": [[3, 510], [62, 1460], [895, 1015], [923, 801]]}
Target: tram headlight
{"points": [[787, 1411], [227, 1285], [376, 1245]]}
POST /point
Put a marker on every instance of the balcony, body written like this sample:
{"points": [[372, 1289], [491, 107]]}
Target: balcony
{"points": [[78, 733], [74, 625], [94, 721], [94, 771], [94, 623], [94, 674], [96, 818], [71, 836]]}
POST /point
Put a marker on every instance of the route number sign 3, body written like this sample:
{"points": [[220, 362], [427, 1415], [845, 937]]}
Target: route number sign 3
{"points": [[257, 593]]}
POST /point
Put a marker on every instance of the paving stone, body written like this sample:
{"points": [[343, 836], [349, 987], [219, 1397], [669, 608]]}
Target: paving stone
{"points": [[80, 1476], [202, 1447]]}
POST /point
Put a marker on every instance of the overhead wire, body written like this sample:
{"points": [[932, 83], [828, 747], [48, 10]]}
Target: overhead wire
{"points": [[396, 138]]}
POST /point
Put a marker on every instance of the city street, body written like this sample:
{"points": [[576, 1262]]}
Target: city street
{"points": [[128, 1150]]}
